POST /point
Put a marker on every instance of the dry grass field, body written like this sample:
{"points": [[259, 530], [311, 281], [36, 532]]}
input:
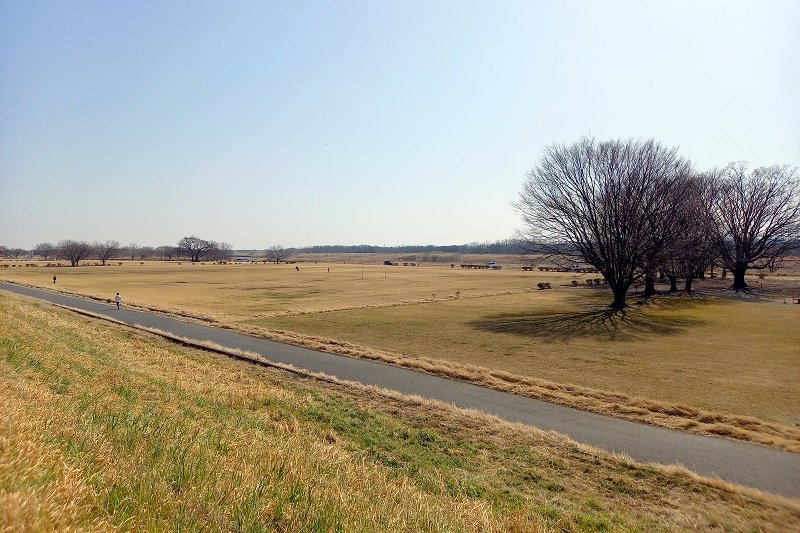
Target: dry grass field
{"points": [[106, 428], [737, 358], [243, 291]]}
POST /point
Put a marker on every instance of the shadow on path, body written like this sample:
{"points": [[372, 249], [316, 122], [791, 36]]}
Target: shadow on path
{"points": [[596, 323]]}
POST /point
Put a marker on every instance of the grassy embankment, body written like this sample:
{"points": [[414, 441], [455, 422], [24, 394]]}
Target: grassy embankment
{"points": [[105, 428], [708, 365]]}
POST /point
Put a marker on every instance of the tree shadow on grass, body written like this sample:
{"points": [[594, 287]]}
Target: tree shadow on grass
{"points": [[605, 324]]}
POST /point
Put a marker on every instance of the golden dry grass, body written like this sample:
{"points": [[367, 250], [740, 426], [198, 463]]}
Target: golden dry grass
{"points": [[122, 431], [242, 291], [711, 365], [676, 416], [109, 429]]}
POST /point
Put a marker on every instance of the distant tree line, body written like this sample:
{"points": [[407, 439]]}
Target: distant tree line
{"points": [[188, 248], [193, 248], [498, 247], [13, 253], [633, 209]]}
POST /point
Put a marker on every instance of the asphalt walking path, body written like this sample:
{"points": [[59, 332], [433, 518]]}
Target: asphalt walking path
{"points": [[737, 462]]}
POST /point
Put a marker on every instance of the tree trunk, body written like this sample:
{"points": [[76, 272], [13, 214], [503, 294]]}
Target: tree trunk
{"points": [[688, 287], [649, 285], [738, 277], [619, 298], [620, 291], [673, 283]]}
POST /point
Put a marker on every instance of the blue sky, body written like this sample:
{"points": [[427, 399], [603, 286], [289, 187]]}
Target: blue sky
{"points": [[384, 123]]}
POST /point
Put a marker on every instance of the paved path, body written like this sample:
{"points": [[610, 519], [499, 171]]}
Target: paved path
{"points": [[746, 464]]}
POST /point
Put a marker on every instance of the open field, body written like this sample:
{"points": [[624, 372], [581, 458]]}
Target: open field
{"points": [[107, 428], [242, 291], [735, 357], [676, 350]]}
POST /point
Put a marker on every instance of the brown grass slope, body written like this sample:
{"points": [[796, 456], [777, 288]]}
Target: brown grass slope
{"points": [[111, 429]]}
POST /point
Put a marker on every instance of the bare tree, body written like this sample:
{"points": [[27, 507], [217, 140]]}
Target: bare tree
{"points": [[223, 252], [166, 252], [106, 250], [145, 252], [44, 249], [196, 248], [694, 246], [666, 232], [276, 253], [75, 251], [131, 250], [775, 263], [757, 217], [609, 203]]}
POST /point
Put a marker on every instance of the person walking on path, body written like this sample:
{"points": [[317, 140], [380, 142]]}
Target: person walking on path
{"points": [[118, 299], [54, 279]]}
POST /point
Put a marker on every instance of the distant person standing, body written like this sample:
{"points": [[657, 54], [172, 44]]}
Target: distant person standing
{"points": [[54, 279], [117, 299]]}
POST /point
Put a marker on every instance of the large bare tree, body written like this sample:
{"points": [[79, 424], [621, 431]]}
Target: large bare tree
{"points": [[757, 216], [73, 250], [196, 249], [277, 253], [608, 203], [106, 250], [44, 249]]}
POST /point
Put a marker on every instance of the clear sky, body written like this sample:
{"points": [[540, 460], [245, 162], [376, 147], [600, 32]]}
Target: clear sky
{"points": [[341, 122]]}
